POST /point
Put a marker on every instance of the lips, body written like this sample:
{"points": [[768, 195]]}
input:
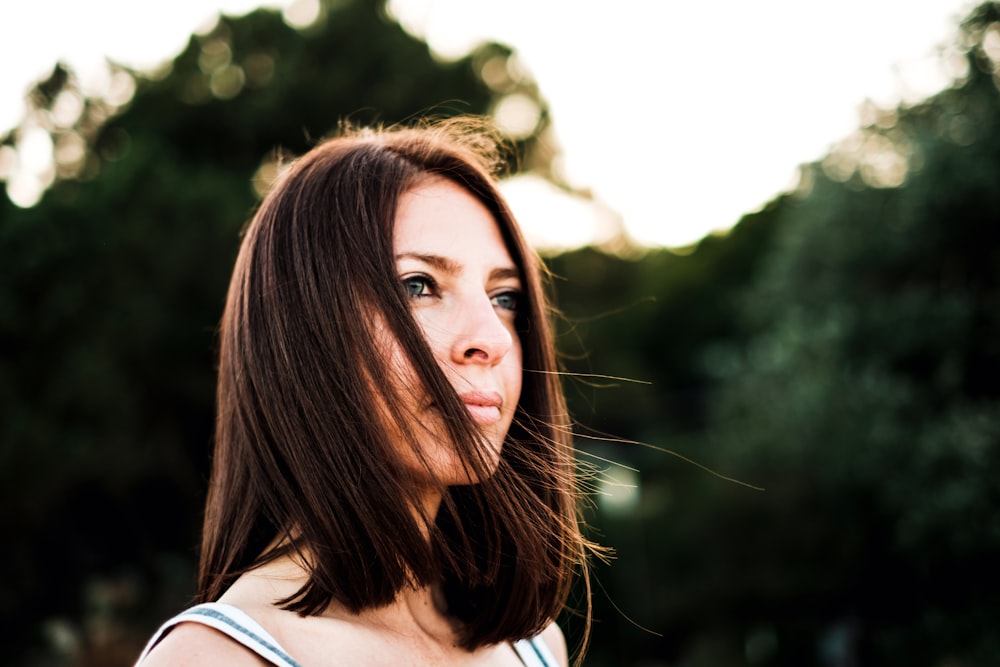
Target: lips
{"points": [[483, 406]]}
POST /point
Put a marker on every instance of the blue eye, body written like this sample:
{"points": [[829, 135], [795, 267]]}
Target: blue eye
{"points": [[418, 286], [506, 300]]}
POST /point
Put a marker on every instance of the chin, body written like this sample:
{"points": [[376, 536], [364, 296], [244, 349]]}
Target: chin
{"points": [[457, 475]]}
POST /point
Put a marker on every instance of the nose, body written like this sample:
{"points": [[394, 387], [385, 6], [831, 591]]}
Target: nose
{"points": [[482, 337]]}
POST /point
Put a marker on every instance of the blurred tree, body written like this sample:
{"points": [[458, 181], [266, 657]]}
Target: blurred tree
{"points": [[666, 305], [111, 286], [650, 321], [863, 395], [841, 349]]}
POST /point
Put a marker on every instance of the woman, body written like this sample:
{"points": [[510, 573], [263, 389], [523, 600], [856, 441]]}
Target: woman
{"points": [[393, 476]]}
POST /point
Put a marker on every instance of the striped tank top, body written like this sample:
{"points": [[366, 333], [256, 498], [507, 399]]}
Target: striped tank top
{"points": [[240, 627]]}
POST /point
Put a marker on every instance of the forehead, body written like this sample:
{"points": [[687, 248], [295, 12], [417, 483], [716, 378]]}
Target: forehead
{"points": [[440, 217]]}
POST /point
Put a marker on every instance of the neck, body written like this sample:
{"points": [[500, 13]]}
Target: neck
{"points": [[430, 502], [417, 612]]}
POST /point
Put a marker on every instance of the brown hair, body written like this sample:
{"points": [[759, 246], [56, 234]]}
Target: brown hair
{"points": [[303, 461]]}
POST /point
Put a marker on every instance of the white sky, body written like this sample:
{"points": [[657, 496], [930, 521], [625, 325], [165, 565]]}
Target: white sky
{"points": [[680, 116]]}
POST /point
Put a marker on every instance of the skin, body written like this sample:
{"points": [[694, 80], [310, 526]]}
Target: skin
{"points": [[453, 263]]}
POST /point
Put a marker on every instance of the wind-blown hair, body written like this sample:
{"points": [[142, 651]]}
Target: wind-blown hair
{"points": [[304, 464]]}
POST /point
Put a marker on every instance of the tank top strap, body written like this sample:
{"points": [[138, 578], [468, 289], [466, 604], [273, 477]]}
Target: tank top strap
{"points": [[535, 652], [232, 622]]}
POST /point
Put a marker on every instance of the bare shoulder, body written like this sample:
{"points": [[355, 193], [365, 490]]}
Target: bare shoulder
{"points": [[553, 638], [197, 645]]}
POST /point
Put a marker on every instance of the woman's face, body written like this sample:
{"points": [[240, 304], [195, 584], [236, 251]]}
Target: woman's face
{"points": [[464, 290]]}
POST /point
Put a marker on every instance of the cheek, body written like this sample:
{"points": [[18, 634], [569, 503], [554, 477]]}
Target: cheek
{"points": [[396, 373], [513, 372], [435, 330]]}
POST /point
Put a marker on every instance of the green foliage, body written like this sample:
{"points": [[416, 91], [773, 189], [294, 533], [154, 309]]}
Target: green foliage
{"points": [[855, 379], [641, 319]]}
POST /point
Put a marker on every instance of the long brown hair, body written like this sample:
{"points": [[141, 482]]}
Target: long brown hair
{"points": [[303, 461]]}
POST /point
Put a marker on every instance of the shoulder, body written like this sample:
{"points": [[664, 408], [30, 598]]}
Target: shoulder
{"points": [[197, 645], [553, 638]]}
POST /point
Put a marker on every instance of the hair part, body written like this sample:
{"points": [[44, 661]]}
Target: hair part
{"points": [[303, 461]]}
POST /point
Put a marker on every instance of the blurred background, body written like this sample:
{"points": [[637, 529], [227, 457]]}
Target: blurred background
{"points": [[835, 341]]}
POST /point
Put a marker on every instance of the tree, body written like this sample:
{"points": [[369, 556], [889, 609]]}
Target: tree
{"points": [[838, 349], [864, 397]]}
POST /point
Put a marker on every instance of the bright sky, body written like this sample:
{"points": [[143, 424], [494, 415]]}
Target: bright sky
{"points": [[679, 116]]}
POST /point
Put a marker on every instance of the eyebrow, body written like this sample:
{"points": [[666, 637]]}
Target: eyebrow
{"points": [[450, 266]]}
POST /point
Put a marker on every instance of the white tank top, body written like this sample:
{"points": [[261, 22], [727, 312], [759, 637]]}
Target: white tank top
{"points": [[240, 627]]}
